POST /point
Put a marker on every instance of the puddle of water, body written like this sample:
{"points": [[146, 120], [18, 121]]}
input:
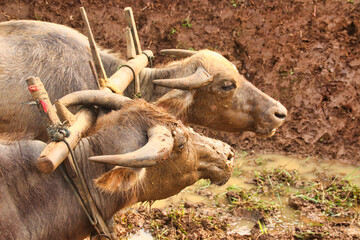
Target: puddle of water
{"points": [[244, 170], [307, 167], [140, 235], [187, 194], [242, 226]]}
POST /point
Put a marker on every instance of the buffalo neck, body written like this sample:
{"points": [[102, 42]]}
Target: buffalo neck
{"points": [[150, 91], [106, 142], [107, 203]]}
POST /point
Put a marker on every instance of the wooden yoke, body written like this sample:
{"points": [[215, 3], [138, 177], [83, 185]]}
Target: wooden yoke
{"points": [[55, 152]]}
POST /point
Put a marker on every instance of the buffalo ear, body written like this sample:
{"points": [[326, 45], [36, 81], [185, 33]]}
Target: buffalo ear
{"points": [[176, 103], [119, 179]]}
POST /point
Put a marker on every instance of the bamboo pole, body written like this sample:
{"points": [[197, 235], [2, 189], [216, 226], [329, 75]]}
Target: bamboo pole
{"points": [[133, 43], [64, 114], [129, 16], [94, 51], [130, 47]]}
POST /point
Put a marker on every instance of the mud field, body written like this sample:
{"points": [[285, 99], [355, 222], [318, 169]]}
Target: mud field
{"points": [[304, 53]]}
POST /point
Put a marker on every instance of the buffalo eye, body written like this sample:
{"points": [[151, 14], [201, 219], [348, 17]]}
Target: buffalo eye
{"points": [[180, 139], [180, 142], [227, 86]]}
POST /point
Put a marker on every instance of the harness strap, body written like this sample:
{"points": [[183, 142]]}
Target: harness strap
{"points": [[125, 65], [77, 194], [150, 58], [137, 93], [78, 185]]}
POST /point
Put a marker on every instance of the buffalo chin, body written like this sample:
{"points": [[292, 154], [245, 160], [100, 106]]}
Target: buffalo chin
{"points": [[265, 134], [222, 181]]}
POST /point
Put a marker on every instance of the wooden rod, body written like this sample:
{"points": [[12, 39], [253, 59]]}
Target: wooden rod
{"points": [[129, 16], [94, 51], [64, 114], [131, 53], [130, 47]]}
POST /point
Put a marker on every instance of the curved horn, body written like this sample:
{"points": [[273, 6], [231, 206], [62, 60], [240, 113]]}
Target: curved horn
{"points": [[178, 52], [94, 97], [159, 147], [199, 79]]}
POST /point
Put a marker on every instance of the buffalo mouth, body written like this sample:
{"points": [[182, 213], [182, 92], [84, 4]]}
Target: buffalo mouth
{"points": [[265, 133], [218, 174], [221, 182]]}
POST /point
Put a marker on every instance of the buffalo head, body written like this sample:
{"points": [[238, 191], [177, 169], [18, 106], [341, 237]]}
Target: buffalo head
{"points": [[211, 92], [152, 151]]}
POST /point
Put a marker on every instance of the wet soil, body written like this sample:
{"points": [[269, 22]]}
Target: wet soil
{"points": [[305, 53]]}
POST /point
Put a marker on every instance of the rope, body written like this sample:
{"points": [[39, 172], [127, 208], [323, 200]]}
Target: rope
{"points": [[37, 90], [136, 94], [125, 65], [58, 132], [89, 213], [150, 58], [77, 194], [83, 194]]}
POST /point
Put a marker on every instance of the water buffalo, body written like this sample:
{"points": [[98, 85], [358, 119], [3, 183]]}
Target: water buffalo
{"points": [[204, 89], [155, 156]]}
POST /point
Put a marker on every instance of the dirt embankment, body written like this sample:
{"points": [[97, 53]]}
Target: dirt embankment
{"points": [[304, 53]]}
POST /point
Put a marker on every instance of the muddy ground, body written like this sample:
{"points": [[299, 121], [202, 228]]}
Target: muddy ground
{"points": [[305, 53]]}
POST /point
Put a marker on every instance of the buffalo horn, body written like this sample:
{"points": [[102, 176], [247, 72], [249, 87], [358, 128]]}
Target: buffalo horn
{"points": [[94, 97], [178, 52], [199, 79], [157, 148]]}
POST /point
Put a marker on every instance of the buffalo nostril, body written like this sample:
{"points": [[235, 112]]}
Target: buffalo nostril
{"points": [[230, 156], [280, 115]]}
